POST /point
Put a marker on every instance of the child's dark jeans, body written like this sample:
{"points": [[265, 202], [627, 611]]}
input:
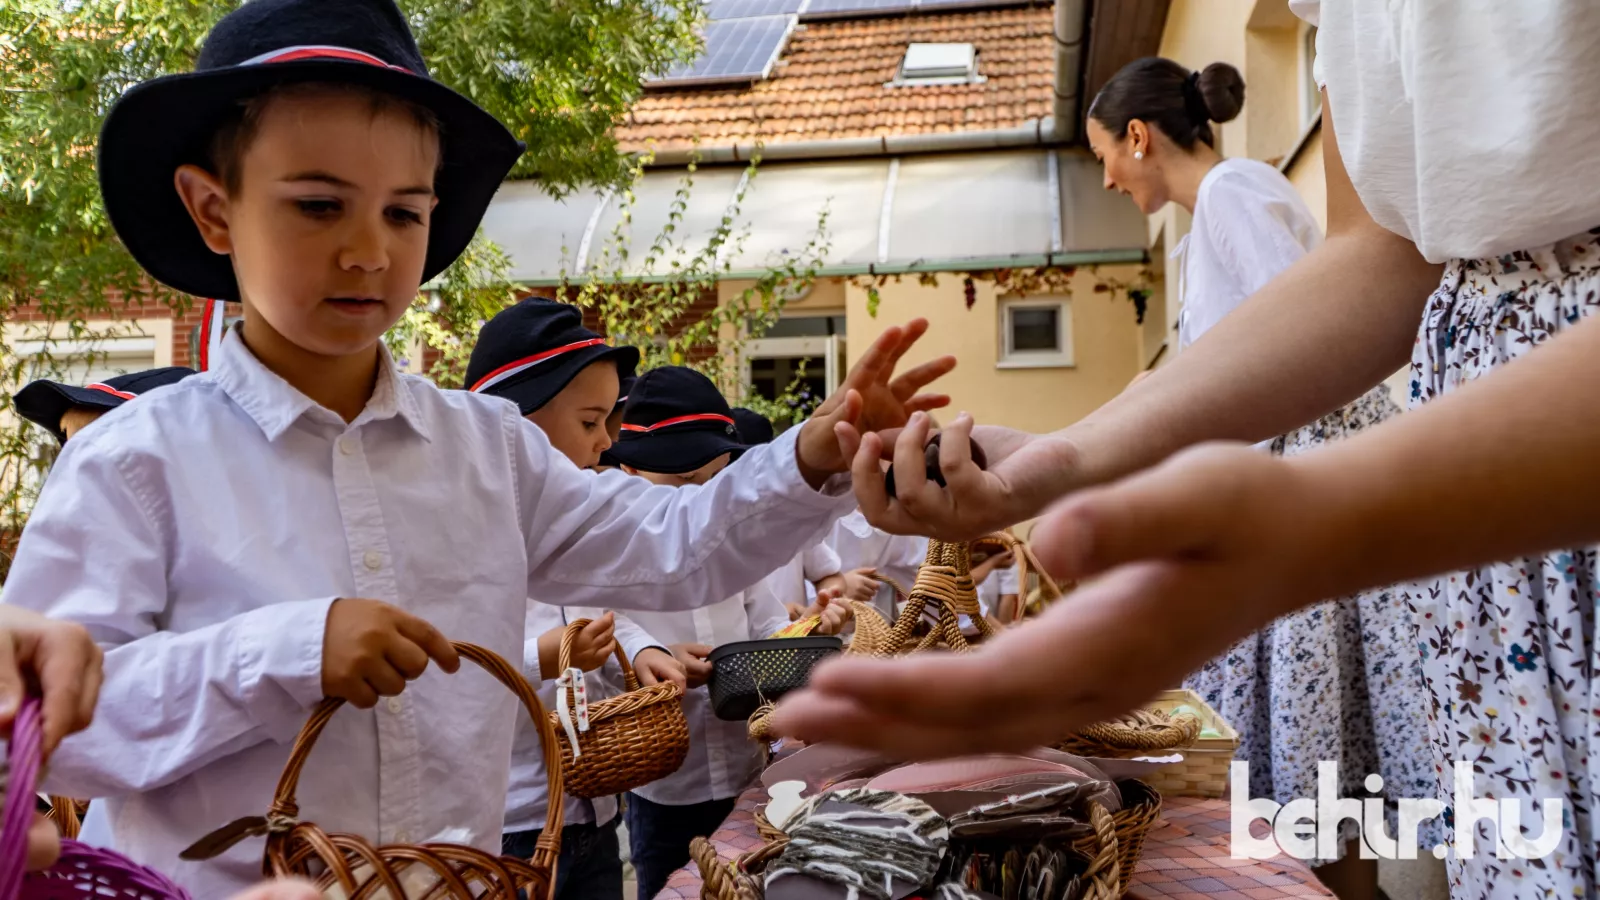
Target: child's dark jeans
{"points": [[659, 837], [590, 867]]}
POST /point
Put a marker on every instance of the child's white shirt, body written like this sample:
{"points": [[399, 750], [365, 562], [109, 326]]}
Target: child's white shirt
{"points": [[528, 798], [722, 760], [861, 546], [202, 533]]}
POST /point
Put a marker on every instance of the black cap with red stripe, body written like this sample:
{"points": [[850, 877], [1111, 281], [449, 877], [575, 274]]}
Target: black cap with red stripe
{"points": [[45, 402], [676, 421], [168, 122], [530, 352]]}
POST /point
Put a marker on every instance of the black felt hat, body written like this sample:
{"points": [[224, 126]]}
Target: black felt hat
{"points": [[529, 352], [45, 402], [754, 428], [676, 421], [168, 122]]}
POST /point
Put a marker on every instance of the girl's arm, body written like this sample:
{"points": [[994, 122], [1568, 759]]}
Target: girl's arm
{"points": [[1316, 337]]}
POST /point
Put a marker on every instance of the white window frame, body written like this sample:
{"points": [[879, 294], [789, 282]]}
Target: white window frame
{"points": [[1310, 96], [1036, 359], [830, 348]]}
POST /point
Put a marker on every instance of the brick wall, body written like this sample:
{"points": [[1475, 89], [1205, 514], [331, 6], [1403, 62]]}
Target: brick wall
{"points": [[185, 321]]}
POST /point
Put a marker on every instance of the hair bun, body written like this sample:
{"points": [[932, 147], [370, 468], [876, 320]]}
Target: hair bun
{"points": [[1221, 89]]}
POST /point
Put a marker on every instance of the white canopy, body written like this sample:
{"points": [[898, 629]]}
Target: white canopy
{"points": [[949, 212]]}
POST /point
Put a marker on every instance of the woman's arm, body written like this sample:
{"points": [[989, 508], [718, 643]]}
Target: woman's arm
{"points": [[1316, 337], [1206, 548]]}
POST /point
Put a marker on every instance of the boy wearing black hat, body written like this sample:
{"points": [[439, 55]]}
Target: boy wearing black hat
{"points": [[678, 430], [565, 379], [64, 409], [293, 522]]}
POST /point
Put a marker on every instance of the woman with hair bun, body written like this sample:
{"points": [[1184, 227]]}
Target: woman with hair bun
{"points": [[1341, 680]]}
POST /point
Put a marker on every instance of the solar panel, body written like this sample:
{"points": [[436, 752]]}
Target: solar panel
{"points": [[744, 9], [736, 50], [836, 9]]}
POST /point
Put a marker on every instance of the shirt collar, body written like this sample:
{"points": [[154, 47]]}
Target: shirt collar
{"points": [[275, 405]]}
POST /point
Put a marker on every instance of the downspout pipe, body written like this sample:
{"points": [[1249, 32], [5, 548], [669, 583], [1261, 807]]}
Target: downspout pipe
{"points": [[1060, 127]]}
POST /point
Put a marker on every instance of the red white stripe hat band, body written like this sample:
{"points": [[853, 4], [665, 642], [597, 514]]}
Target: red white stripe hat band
{"points": [[110, 390], [314, 51], [679, 420], [517, 367]]}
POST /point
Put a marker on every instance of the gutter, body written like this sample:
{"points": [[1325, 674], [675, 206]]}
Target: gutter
{"points": [[954, 265], [1060, 127]]}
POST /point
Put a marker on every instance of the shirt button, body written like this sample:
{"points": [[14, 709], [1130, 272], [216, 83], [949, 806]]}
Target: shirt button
{"points": [[347, 445], [402, 837], [374, 560], [395, 706]]}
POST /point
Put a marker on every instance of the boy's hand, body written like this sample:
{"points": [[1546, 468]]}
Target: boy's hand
{"points": [[982, 571], [835, 614], [870, 400], [654, 666], [61, 658], [796, 610], [371, 649], [860, 585], [595, 644], [693, 659]]}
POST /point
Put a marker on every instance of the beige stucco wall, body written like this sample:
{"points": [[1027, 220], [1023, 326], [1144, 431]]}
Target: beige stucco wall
{"points": [[1307, 176], [1105, 342]]}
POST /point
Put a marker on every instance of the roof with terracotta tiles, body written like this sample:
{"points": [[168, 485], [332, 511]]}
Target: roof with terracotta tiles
{"points": [[830, 85]]}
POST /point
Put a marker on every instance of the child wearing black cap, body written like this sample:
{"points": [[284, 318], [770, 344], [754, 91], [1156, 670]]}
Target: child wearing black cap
{"points": [[302, 519], [565, 379], [64, 409], [678, 430]]}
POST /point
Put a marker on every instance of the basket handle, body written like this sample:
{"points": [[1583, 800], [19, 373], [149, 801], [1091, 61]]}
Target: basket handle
{"points": [[284, 806], [630, 681], [1026, 562], [27, 743]]}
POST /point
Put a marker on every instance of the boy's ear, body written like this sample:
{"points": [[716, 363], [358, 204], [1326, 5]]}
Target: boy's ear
{"points": [[207, 201]]}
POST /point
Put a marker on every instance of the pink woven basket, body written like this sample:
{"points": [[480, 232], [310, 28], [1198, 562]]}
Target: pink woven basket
{"points": [[82, 871]]}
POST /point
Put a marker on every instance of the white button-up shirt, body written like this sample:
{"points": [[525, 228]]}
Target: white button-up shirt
{"points": [[202, 532], [722, 759], [528, 800], [861, 546]]}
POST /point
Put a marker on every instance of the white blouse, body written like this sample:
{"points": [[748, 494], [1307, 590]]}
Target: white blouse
{"points": [[1249, 225], [1467, 126]]}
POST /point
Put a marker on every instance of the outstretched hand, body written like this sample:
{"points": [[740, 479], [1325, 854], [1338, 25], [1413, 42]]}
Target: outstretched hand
{"points": [[871, 398], [1025, 473], [1191, 556]]}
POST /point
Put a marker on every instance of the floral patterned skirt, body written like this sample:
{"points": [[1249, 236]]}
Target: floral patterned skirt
{"points": [[1508, 650], [1339, 681]]}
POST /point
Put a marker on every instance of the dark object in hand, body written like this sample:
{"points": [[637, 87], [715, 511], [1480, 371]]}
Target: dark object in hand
{"points": [[930, 455]]}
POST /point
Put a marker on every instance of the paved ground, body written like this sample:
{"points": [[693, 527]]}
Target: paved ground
{"points": [[1410, 879]]}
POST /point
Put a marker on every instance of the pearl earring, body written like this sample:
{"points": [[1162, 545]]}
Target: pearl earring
{"points": [[1138, 154]]}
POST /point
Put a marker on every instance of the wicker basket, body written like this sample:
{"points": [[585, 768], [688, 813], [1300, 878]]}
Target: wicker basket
{"points": [[1141, 809], [740, 879], [748, 674], [1138, 733], [82, 872], [461, 873], [1206, 761], [633, 738], [67, 814]]}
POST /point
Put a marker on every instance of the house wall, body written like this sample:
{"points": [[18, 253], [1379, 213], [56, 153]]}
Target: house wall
{"points": [[1105, 341]]}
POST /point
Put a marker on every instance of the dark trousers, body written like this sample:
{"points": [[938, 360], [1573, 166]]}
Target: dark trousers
{"points": [[590, 867], [659, 837]]}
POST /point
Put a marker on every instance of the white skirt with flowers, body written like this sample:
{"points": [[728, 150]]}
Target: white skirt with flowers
{"points": [[1338, 681]]}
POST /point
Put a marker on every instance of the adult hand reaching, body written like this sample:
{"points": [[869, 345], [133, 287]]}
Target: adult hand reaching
{"points": [[60, 660], [1026, 472], [1196, 554]]}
